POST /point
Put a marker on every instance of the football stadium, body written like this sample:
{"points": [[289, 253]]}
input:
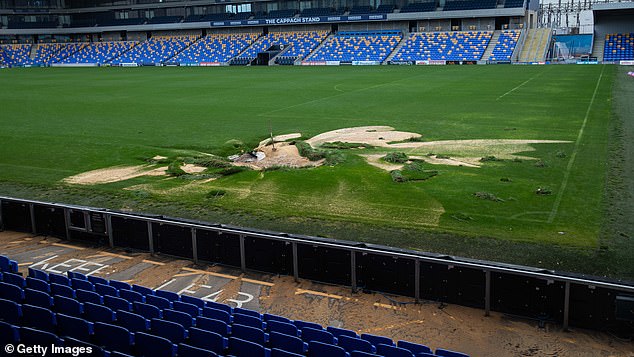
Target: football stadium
{"points": [[350, 178]]}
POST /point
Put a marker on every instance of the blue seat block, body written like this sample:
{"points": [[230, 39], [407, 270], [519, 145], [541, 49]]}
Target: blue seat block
{"points": [[133, 322], [415, 348], [276, 352], [171, 296], [148, 311], [311, 334], [98, 313], [448, 353], [37, 298], [271, 317], [287, 343], [249, 334], [31, 336], [142, 290], [217, 314], [392, 351], [14, 279], [188, 308], [38, 274], [335, 331], [117, 303], [11, 292], [318, 349], [219, 306], [131, 296], [10, 311], [103, 290], [179, 317], [97, 280], [153, 346], [58, 279], [62, 290], [75, 275], [248, 312], [9, 333], [113, 338], [242, 348], [38, 318], [171, 330], [193, 300], [120, 285], [282, 327], [376, 340], [160, 302], [88, 296], [207, 340], [74, 327], [38, 284], [217, 326], [301, 324], [363, 354], [248, 321], [82, 284], [355, 344], [191, 351]]}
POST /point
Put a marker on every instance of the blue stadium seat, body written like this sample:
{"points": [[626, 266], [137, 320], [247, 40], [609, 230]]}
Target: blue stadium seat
{"points": [[185, 307], [363, 354], [82, 284], [301, 324], [153, 346], [106, 290], [448, 353], [282, 327], [415, 348], [14, 279], [113, 338], [287, 343], [142, 290], [191, 351], [96, 350], [355, 344], [117, 303], [62, 290], [247, 333], [8, 265], [98, 313], [270, 317], [89, 296], [193, 300], [74, 327], [376, 340], [276, 352], [148, 311], [319, 349], [68, 306], [179, 317], [247, 320], [425, 354], [38, 317], [242, 348], [11, 292], [58, 279], [392, 351], [37, 298], [311, 334], [336, 331], [248, 312], [8, 333], [171, 296], [38, 274], [38, 284], [31, 336], [97, 280], [160, 302], [217, 326], [217, 314], [171, 330], [132, 322], [219, 306], [132, 296], [207, 340], [10, 311], [75, 275], [120, 285]]}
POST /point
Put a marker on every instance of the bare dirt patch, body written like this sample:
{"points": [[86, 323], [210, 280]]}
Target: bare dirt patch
{"points": [[280, 138], [375, 160], [193, 169], [372, 135], [284, 154], [435, 160], [111, 174]]}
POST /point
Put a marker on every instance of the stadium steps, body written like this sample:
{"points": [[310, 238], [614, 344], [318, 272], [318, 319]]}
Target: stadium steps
{"points": [[184, 49], [124, 52], [272, 59], [322, 44], [598, 47], [536, 45], [492, 43], [397, 48], [34, 51], [244, 50]]}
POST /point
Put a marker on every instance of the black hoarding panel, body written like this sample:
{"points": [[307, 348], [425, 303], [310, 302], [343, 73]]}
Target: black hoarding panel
{"points": [[434, 281], [50, 221], [130, 233], [16, 216], [385, 273], [268, 255], [97, 239], [592, 307], [218, 247], [447, 283], [172, 240], [324, 264], [77, 218], [97, 222], [526, 296]]}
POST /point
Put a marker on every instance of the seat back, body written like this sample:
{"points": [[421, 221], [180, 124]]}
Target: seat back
{"points": [[113, 338], [282, 327], [207, 340], [133, 322], [74, 327], [120, 285], [217, 326], [160, 302], [217, 314], [317, 348], [376, 340], [171, 330], [63, 290], [243, 348], [248, 333], [82, 284], [155, 346], [188, 308], [448, 353], [11, 292], [248, 320], [335, 331], [9, 333], [38, 284], [117, 303], [37, 298], [38, 317], [98, 313], [191, 351], [10, 311], [58, 279], [97, 280], [88, 296], [311, 334], [355, 344], [287, 343], [31, 336], [179, 317], [131, 296], [14, 279], [415, 348], [171, 296], [104, 290], [193, 300], [146, 310]]}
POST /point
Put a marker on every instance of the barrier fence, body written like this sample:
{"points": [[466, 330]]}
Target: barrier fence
{"points": [[545, 295]]}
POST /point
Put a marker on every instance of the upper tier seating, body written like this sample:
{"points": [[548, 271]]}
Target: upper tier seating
{"points": [[100, 52], [619, 47], [513, 3], [34, 317], [451, 5], [505, 46], [448, 46], [358, 46], [157, 49], [216, 48]]}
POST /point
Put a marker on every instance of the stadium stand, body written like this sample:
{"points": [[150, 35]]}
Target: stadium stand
{"points": [[275, 14], [48, 53], [513, 3], [164, 20], [505, 46], [619, 47], [156, 50], [448, 46], [99, 52], [301, 42], [358, 46], [31, 316], [452, 5], [357, 10], [318, 11], [217, 48], [420, 7], [15, 55]]}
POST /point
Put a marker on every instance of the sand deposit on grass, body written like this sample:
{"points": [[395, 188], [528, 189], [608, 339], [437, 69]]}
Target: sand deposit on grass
{"points": [[372, 135], [284, 155], [193, 169], [280, 138], [114, 174]]}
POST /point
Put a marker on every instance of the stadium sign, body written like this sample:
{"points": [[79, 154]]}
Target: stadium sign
{"points": [[626, 63], [300, 20]]}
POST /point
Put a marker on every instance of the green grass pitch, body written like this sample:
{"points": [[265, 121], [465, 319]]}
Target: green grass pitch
{"points": [[56, 122]]}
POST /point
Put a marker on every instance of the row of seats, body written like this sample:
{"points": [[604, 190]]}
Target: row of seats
{"points": [[448, 46], [115, 316], [619, 47], [301, 42], [505, 46], [217, 48], [358, 47], [100, 52], [157, 49]]}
